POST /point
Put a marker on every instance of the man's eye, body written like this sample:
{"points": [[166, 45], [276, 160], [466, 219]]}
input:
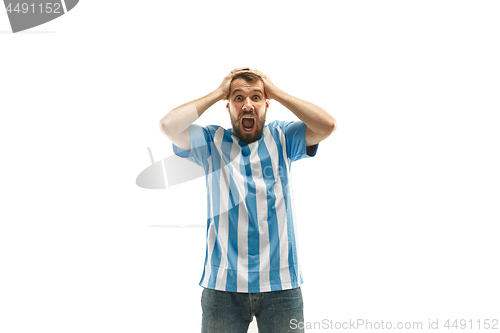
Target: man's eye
{"points": [[256, 97], [238, 98]]}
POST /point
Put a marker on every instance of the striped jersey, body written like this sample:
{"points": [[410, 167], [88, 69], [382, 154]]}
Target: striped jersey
{"points": [[251, 240]]}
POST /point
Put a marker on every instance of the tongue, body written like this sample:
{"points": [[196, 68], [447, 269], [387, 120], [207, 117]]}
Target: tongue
{"points": [[248, 123]]}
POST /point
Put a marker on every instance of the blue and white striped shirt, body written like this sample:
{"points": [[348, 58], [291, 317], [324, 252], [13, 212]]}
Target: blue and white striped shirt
{"points": [[251, 240]]}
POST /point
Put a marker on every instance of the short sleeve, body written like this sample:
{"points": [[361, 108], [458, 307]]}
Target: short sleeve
{"points": [[295, 135], [200, 139]]}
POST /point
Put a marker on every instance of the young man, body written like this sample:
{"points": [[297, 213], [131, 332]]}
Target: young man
{"points": [[251, 267]]}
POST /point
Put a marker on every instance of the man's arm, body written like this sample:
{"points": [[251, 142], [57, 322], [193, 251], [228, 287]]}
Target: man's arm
{"points": [[320, 124], [175, 125]]}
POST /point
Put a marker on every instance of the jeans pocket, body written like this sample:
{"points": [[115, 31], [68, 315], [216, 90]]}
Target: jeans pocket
{"points": [[285, 300], [216, 299]]}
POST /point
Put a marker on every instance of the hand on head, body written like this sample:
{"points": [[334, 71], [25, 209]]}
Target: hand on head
{"points": [[225, 86], [226, 83], [269, 86]]}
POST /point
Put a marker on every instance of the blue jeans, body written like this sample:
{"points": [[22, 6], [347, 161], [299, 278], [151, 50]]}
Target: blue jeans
{"points": [[231, 312]]}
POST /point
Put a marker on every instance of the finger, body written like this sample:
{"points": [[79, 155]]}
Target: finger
{"points": [[259, 73], [241, 69], [234, 73]]}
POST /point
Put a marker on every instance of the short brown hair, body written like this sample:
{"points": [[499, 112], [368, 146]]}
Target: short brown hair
{"points": [[247, 76]]}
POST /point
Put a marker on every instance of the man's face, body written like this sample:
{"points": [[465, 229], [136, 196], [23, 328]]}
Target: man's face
{"points": [[247, 106]]}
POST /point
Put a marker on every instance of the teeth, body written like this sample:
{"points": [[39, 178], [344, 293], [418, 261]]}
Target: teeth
{"points": [[248, 117]]}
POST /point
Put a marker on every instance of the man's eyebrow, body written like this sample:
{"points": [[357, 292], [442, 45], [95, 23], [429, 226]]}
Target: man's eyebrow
{"points": [[257, 90]]}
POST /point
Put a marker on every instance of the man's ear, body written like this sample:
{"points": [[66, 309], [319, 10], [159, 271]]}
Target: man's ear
{"points": [[267, 104], [227, 106]]}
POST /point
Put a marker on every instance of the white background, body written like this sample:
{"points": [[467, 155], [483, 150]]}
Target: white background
{"points": [[399, 211]]}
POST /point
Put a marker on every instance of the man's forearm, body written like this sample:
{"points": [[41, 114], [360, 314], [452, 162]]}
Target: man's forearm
{"points": [[316, 119], [179, 119]]}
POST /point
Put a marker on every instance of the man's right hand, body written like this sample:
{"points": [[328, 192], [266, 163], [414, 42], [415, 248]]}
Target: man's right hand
{"points": [[226, 83]]}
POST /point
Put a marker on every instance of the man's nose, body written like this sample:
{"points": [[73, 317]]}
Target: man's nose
{"points": [[247, 105]]}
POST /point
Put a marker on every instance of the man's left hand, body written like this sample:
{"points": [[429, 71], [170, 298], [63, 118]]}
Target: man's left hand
{"points": [[269, 87]]}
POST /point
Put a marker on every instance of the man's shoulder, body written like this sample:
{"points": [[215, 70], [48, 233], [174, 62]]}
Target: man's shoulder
{"points": [[214, 128], [282, 125], [211, 129], [276, 124], [211, 133]]}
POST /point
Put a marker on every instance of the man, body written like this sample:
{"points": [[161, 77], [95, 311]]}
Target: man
{"points": [[251, 267]]}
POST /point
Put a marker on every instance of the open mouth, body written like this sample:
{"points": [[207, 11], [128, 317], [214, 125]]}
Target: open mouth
{"points": [[247, 123]]}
